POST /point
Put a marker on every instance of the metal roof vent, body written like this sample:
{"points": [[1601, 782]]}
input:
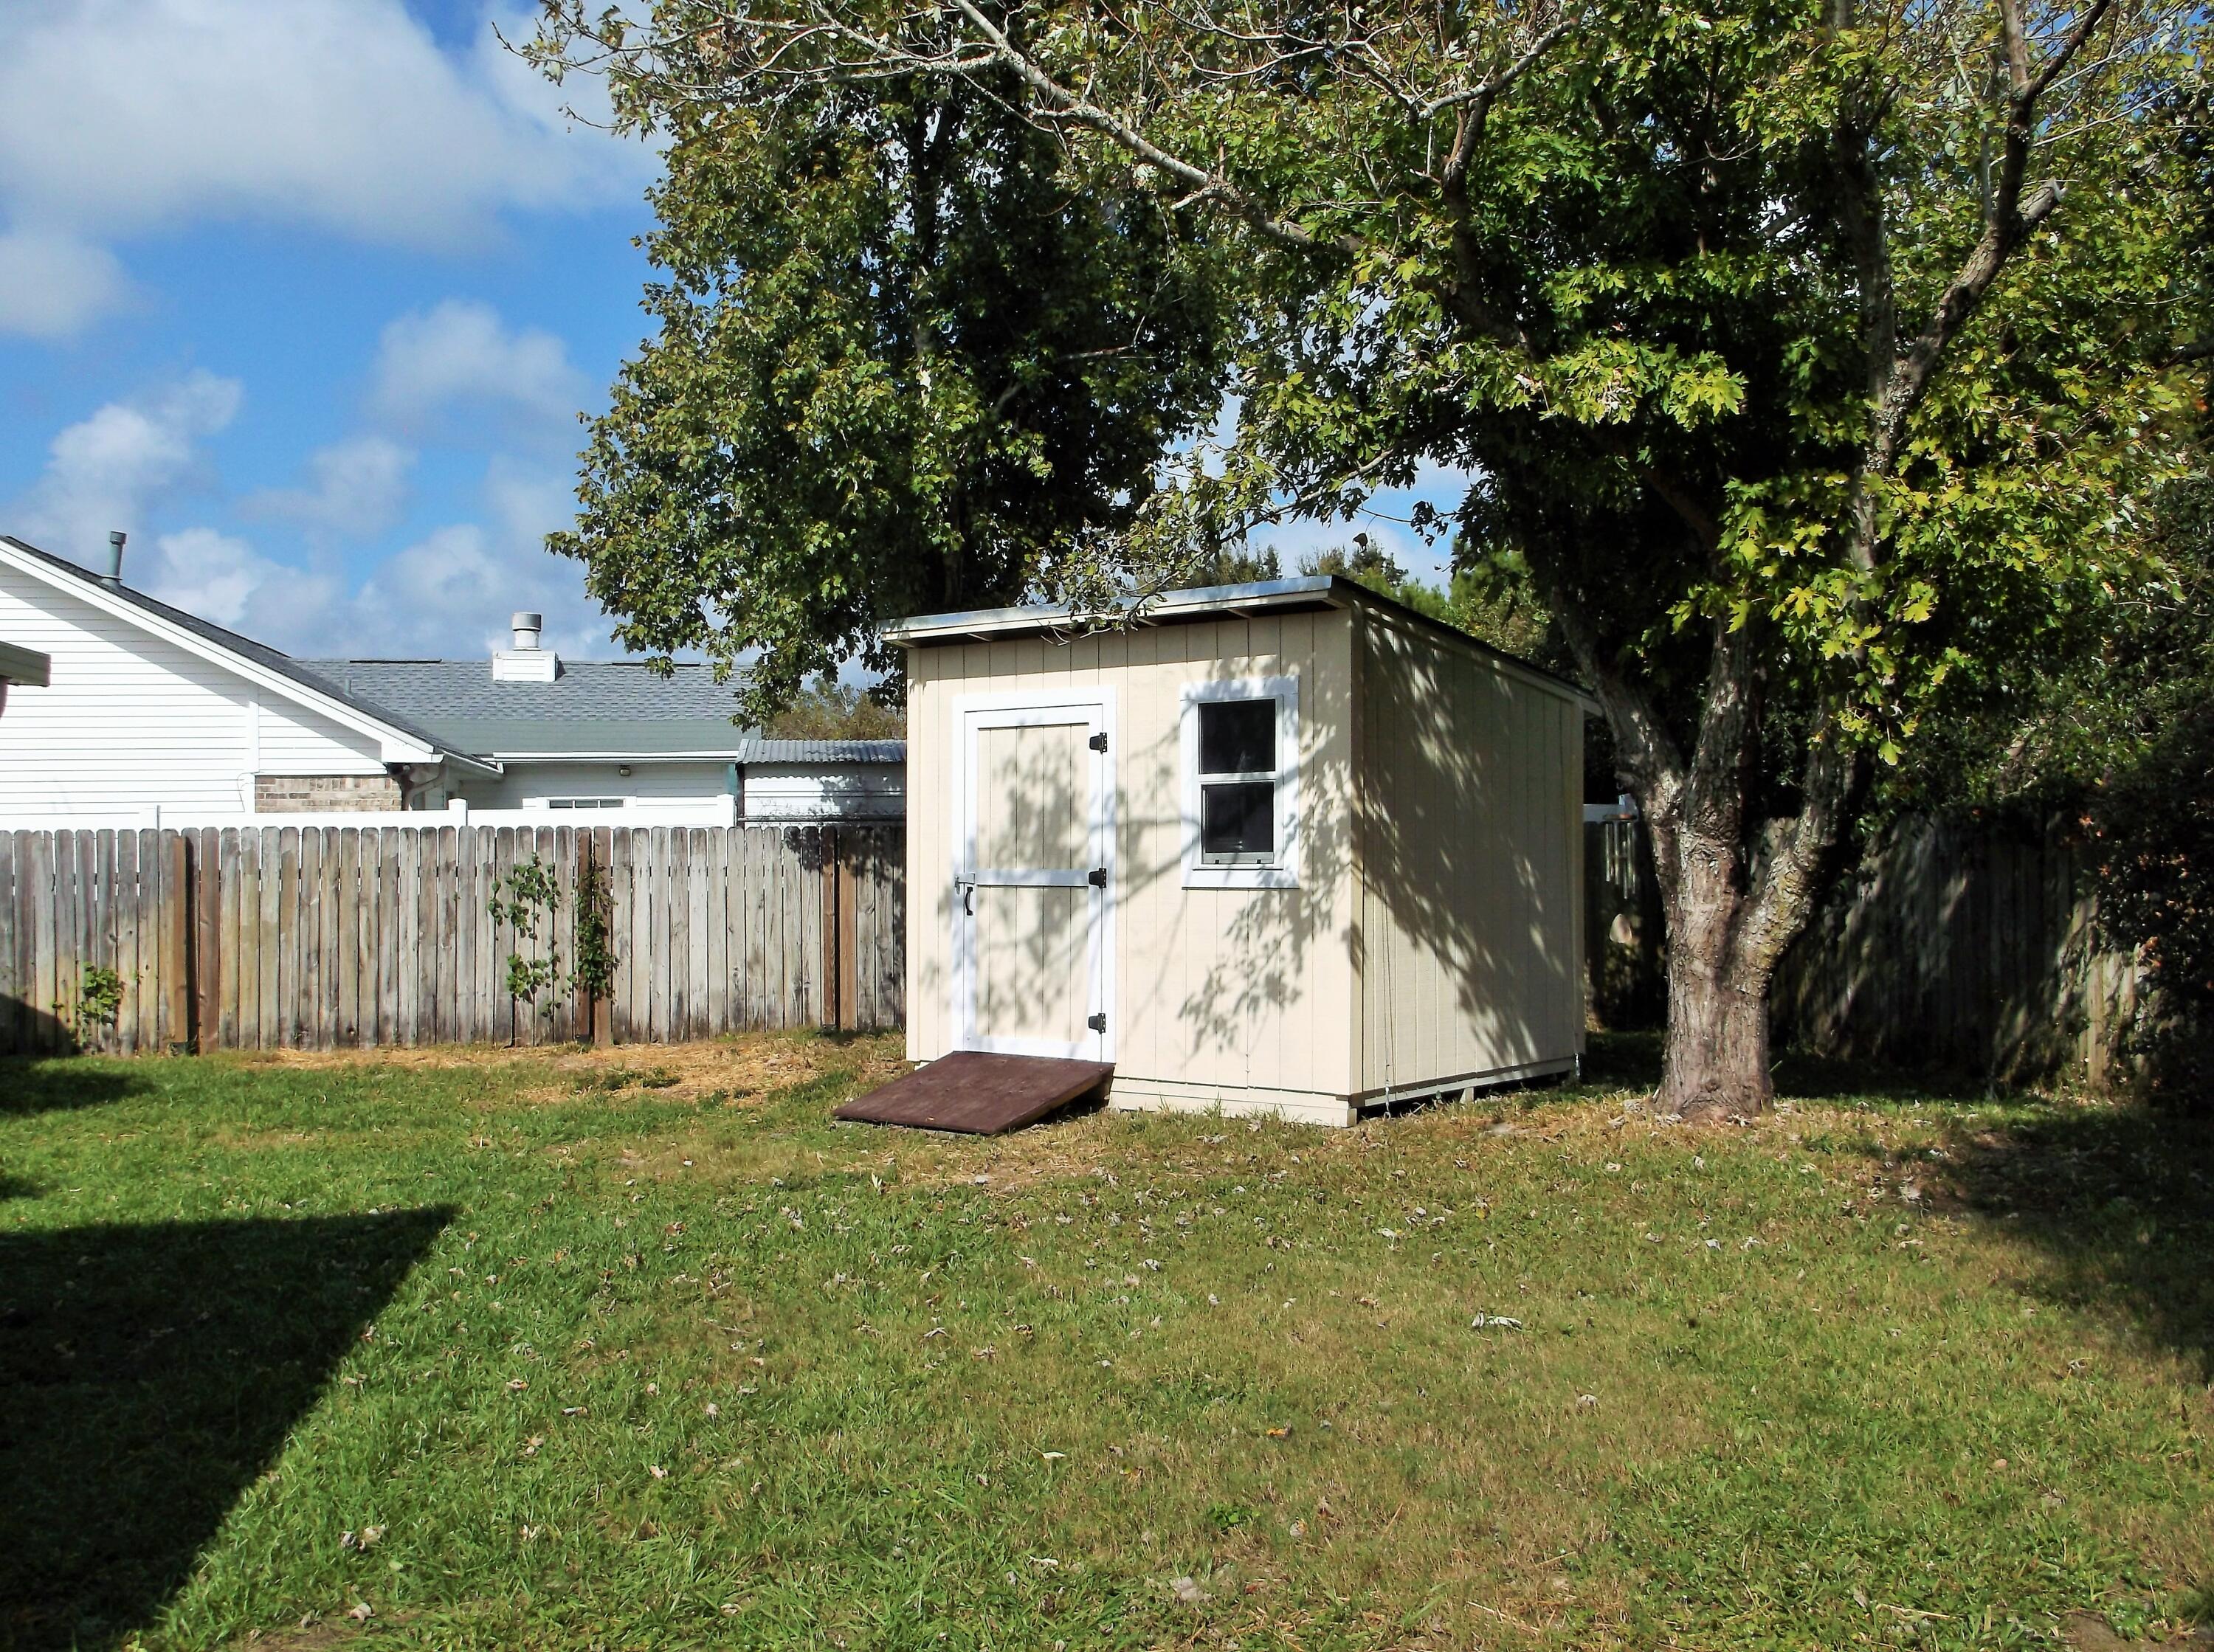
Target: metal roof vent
{"points": [[526, 662]]}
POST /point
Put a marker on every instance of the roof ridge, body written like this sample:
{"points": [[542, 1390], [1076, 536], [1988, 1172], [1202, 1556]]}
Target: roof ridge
{"points": [[237, 643]]}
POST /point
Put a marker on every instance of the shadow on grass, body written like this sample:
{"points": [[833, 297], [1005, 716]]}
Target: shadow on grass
{"points": [[2122, 1199], [148, 1375], [34, 1084], [1631, 1061]]}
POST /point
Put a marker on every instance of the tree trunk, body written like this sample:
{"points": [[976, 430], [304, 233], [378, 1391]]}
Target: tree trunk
{"points": [[1714, 1060]]}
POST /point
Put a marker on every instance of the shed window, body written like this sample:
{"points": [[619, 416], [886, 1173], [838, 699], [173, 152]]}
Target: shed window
{"points": [[1241, 796]]}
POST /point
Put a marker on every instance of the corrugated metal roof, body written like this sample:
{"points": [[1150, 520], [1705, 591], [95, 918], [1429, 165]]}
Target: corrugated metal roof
{"points": [[1307, 591], [821, 751]]}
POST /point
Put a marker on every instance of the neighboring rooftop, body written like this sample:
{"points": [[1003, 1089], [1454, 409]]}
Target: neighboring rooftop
{"points": [[589, 708], [268, 658], [524, 701]]}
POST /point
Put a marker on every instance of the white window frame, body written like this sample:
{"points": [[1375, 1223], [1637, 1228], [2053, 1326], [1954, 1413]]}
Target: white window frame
{"points": [[571, 804], [1283, 871]]}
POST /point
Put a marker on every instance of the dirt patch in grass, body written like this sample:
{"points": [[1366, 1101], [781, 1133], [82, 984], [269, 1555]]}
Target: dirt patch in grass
{"points": [[739, 1067]]}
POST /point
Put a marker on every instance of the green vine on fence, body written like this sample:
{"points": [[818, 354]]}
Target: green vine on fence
{"points": [[99, 1001], [526, 901], [592, 941], [529, 901]]}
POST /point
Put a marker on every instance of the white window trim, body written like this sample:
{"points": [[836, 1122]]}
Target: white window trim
{"points": [[1284, 872]]}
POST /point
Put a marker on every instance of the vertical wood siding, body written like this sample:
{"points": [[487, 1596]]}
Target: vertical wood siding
{"points": [[330, 937], [1469, 805], [1218, 992]]}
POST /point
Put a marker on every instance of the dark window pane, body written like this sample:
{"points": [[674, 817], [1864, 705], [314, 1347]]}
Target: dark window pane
{"points": [[1237, 819], [1237, 736]]}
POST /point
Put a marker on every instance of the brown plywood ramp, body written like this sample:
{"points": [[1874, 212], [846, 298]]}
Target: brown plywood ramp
{"points": [[977, 1093]]}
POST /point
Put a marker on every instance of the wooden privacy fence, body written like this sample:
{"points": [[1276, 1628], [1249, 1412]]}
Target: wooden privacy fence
{"points": [[322, 937], [1968, 947], [1951, 944]]}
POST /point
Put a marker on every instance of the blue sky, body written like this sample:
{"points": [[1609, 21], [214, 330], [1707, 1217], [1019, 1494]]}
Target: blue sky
{"points": [[307, 297]]}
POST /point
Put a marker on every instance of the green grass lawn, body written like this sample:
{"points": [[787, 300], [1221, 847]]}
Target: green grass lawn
{"points": [[635, 1349]]}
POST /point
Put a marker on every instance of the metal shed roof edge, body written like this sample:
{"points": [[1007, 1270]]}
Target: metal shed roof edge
{"points": [[1208, 602]]}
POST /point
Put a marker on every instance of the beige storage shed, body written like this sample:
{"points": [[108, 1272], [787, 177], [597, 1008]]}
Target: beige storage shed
{"points": [[1287, 847]]}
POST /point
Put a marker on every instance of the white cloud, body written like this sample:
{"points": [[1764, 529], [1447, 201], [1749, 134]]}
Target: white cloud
{"points": [[224, 579], [52, 283], [450, 594], [130, 114], [355, 489], [125, 116], [108, 470], [460, 355]]}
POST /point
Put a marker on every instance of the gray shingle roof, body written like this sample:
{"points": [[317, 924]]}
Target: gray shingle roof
{"points": [[618, 707], [615, 707]]}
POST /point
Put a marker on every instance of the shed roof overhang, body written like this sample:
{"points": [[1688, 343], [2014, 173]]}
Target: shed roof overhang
{"points": [[1062, 623]]}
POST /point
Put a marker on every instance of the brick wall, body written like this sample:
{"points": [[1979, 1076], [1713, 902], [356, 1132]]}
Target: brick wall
{"points": [[336, 794]]}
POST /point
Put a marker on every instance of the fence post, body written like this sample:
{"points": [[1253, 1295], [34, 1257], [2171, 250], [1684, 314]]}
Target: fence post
{"points": [[176, 964], [832, 975], [207, 925]]}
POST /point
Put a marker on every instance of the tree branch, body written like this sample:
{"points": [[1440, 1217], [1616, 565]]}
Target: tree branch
{"points": [[1068, 105]]}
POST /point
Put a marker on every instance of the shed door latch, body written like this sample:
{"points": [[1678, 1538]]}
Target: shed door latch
{"points": [[1098, 741], [1098, 877], [1098, 1023]]}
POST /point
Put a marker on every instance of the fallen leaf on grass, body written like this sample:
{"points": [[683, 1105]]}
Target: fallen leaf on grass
{"points": [[361, 1612]]}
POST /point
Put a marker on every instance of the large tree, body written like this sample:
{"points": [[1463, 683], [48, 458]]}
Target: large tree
{"points": [[1808, 353], [905, 353]]}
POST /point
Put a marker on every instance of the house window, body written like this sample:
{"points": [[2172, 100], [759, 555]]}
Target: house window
{"points": [[1241, 784], [583, 803]]}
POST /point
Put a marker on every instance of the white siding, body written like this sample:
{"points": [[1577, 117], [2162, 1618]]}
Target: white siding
{"points": [[527, 784], [132, 722], [773, 791], [836, 791]]}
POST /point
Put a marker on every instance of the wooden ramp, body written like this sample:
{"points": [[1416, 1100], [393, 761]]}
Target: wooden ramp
{"points": [[978, 1094]]}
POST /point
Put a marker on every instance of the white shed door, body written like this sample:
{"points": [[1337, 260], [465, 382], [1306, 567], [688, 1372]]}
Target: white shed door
{"points": [[1032, 874]]}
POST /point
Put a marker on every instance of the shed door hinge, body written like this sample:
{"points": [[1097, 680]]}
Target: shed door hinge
{"points": [[1098, 877], [1098, 1023], [1098, 741]]}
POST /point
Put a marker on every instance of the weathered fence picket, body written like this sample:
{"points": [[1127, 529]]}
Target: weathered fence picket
{"points": [[325, 937]]}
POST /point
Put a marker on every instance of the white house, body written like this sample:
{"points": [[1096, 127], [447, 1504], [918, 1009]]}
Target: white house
{"points": [[153, 715]]}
